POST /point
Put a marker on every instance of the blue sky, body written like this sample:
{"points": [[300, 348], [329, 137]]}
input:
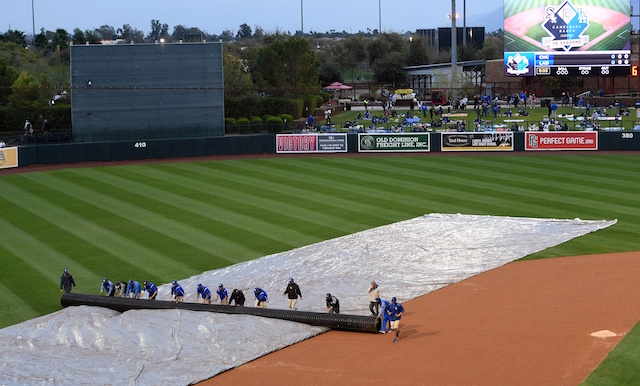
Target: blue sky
{"points": [[214, 16]]}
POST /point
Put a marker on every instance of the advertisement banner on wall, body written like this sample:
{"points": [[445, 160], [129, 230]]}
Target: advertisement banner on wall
{"points": [[8, 157], [390, 142], [487, 141], [561, 140], [311, 143]]}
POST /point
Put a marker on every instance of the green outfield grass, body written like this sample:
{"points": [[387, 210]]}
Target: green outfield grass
{"points": [[169, 221]]}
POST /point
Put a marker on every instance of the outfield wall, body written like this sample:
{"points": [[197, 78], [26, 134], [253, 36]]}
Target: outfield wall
{"points": [[259, 144]]}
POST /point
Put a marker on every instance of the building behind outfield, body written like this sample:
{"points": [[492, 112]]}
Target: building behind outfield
{"points": [[146, 90]]}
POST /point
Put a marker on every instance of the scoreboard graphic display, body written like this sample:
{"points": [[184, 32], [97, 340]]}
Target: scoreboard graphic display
{"points": [[567, 37]]}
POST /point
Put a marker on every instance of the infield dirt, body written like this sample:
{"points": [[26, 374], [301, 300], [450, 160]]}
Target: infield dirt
{"points": [[525, 323]]}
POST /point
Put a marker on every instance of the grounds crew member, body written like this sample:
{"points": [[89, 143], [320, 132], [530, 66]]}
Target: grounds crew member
{"points": [[374, 293], [203, 292], [134, 290], [261, 297], [151, 289], [108, 286], [395, 311], [237, 296], [333, 304], [383, 315], [66, 281], [222, 294], [292, 292], [177, 293]]}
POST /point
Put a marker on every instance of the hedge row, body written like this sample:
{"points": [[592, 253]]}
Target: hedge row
{"points": [[12, 119], [253, 105]]}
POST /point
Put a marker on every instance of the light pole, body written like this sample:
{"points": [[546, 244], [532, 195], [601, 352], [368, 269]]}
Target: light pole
{"points": [[33, 19], [301, 20], [454, 44], [379, 16], [464, 23]]}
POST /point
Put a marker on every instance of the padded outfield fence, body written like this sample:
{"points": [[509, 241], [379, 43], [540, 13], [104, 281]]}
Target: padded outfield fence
{"points": [[55, 153]]}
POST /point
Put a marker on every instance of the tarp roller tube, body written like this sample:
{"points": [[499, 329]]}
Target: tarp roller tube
{"points": [[341, 322]]}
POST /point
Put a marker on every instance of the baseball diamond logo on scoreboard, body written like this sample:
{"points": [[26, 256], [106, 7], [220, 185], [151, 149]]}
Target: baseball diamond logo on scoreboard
{"points": [[566, 26]]}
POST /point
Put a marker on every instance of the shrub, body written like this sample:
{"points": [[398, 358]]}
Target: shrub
{"points": [[325, 96], [229, 121], [286, 118], [243, 121], [256, 120]]}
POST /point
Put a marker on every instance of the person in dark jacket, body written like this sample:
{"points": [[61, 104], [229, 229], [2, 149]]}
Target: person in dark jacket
{"points": [[66, 281], [333, 304], [237, 296], [292, 292]]}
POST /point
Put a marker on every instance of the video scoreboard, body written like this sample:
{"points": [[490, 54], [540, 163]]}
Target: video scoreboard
{"points": [[567, 38]]}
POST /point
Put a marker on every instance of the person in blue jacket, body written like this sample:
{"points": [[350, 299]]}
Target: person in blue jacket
{"points": [[204, 293], [261, 297], [151, 289], [395, 311], [134, 290], [383, 315], [108, 286], [177, 293], [222, 294]]}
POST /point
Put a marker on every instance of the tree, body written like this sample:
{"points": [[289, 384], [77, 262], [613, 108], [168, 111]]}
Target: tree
{"points": [[418, 53], [106, 32], [226, 35], [285, 66], [25, 92], [7, 76], [258, 32], [244, 32], [91, 37], [378, 49], [41, 40], [329, 72], [351, 54], [158, 31], [78, 36], [236, 76], [130, 34], [390, 69], [60, 39], [14, 36]]}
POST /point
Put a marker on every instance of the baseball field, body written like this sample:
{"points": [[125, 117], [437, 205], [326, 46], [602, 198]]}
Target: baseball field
{"points": [[161, 221]]}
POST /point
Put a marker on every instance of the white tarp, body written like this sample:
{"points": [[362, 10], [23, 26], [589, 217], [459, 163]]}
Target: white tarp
{"points": [[87, 345]]}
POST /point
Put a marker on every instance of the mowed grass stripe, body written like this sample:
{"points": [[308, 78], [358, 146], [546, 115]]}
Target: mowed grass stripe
{"points": [[251, 196], [242, 227], [243, 200], [114, 245], [317, 208], [128, 211], [341, 196], [15, 309], [558, 184], [346, 193], [62, 247], [456, 189]]}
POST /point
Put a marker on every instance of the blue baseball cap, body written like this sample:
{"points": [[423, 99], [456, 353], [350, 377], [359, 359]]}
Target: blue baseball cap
{"points": [[221, 286], [175, 282], [393, 299]]}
